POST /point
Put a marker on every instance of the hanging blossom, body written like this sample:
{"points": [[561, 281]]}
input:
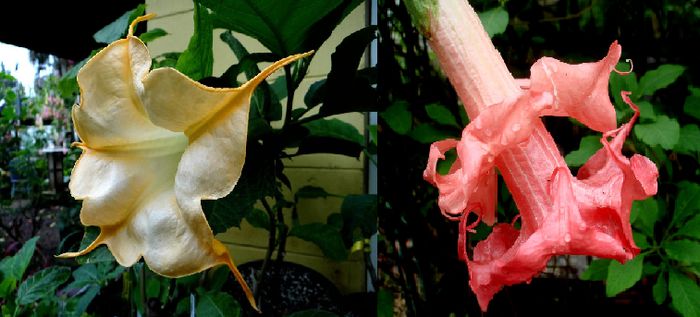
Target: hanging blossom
{"points": [[559, 213], [155, 143]]}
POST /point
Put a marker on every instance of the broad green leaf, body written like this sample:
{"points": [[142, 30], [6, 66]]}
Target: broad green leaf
{"points": [[619, 83], [265, 99], [284, 27], [217, 304], [257, 181], [664, 132], [623, 276], [687, 202], [359, 211], [258, 219], [326, 237], [101, 254], [427, 133], [152, 35], [495, 21], [441, 115], [385, 303], [118, 28], [648, 214], [689, 140], [660, 289], [685, 294], [12, 267], [335, 220], [398, 117], [312, 313], [311, 192], [659, 78], [646, 110], [197, 61], [42, 284], [691, 106], [331, 136], [640, 240], [686, 251], [348, 89], [596, 271], [588, 146], [690, 228], [84, 300]]}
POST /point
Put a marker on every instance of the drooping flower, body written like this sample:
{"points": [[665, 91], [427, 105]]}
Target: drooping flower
{"points": [[155, 143], [559, 213]]}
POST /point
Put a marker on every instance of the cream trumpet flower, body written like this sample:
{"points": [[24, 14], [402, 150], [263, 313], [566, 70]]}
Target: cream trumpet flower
{"points": [[155, 143]]}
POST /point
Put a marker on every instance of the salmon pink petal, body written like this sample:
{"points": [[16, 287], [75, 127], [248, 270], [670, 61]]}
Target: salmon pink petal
{"points": [[580, 91]]}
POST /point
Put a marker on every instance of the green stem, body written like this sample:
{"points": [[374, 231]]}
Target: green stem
{"points": [[268, 254], [142, 288], [291, 88]]}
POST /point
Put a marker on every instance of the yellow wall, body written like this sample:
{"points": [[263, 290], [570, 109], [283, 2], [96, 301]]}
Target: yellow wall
{"points": [[335, 173]]}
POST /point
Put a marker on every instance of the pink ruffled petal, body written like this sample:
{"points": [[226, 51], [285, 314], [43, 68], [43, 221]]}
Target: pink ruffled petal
{"points": [[588, 214], [580, 91]]}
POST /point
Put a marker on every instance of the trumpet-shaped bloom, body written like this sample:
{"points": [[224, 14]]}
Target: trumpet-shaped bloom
{"points": [[155, 143], [559, 213]]}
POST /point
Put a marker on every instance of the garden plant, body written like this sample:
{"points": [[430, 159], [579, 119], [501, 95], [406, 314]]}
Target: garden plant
{"points": [[121, 137]]}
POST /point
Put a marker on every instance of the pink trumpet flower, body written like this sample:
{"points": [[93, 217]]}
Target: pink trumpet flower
{"points": [[559, 213]]}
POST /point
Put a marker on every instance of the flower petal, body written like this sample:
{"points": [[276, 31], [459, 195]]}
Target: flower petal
{"points": [[580, 91]]}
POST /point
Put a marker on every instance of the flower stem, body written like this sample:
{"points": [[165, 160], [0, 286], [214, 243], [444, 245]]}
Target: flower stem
{"points": [[481, 79]]}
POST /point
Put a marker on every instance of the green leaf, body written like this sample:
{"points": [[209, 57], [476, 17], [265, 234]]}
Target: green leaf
{"points": [[284, 27], [398, 117], [646, 110], [641, 240], [686, 251], [265, 100], [441, 115], [152, 35], [687, 202], [660, 289], [587, 147], [623, 276], [359, 211], [689, 140], [685, 294], [495, 21], [117, 29], [619, 83], [197, 61], [12, 267], [100, 254], [258, 219], [427, 133], [385, 303], [312, 313], [597, 270], [326, 237], [348, 89], [665, 132], [659, 78], [690, 228], [648, 214], [331, 136], [42, 284], [311, 192], [257, 181], [691, 106], [217, 304]]}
